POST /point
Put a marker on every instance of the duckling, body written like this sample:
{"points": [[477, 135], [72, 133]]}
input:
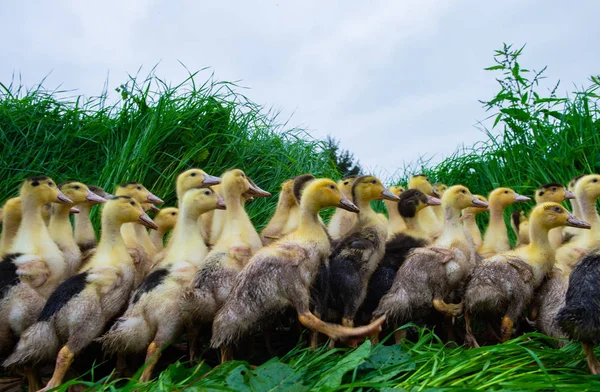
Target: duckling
{"points": [[78, 310], [469, 223], [342, 221], [579, 317], [587, 191], [60, 225], [214, 279], [556, 193], [280, 276], [218, 217], [397, 248], [153, 318], [85, 236], [520, 226], [427, 217], [495, 239], [46, 213], [431, 274], [10, 225], [165, 220], [34, 265], [503, 284], [439, 189], [395, 223], [359, 252], [568, 232], [550, 297]]}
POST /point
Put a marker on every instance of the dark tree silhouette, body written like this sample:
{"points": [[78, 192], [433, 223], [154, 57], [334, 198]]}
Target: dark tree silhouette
{"points": [[343, 159]]}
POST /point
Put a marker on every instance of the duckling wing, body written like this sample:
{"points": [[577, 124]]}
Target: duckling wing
{"points": [[105, 278], [32, 269]]}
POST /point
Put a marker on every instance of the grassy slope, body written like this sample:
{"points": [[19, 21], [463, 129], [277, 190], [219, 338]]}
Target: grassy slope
{"points": [[542, 140]]}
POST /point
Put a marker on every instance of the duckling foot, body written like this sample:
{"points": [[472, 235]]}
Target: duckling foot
{"points": [[226, 354], [592, 361], [339, 332], [506, 328], [447, 309], [399, 336], [469, 337], [33, 379], [63, 362], [152, 355]]}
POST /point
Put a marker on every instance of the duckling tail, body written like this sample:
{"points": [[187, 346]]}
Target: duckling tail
{"points": [[127, 335], [38, 343], [339, 332]]}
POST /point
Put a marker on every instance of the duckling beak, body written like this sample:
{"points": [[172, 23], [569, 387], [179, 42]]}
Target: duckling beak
{"points": [[256, 191], [94, 198], [569, 195], [221, 203], [436, 194], [433, 201], [154, 208], [347, 205], [521, 198], [108, 196], [74, 210], [388, 195], [145, 220], [475, 202], [62, 199], [210, 180], [574, 221], [153, 199]]}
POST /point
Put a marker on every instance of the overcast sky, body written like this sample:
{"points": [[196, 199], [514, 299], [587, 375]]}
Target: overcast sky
{"points": [[392, 80]]}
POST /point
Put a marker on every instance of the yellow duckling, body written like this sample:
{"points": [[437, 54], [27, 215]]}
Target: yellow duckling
{"points": [[556, 193], [469, 223], [10, 225], [165, 220], [520, 226], [570, 232], [342, 221], [495, 239], [439, 189], [85, 235], [78, 310], [427, 218], [395, 223]]}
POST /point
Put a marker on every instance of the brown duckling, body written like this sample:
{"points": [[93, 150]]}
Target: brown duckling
{"points": [[495, 239], [556, 193], [358, 253], [78, 310], [431, 274], [439, 189], [469, 222], [280, 275], [395, 222], [569, 232], [429, 221], [60, 224], [520, 226], [165, 220], [397, 248], [10, 225], [85, 235], [287, 214], [153, 318], [215, 277], [550, 297], [503, 285], [342, 221], [34, 265]]}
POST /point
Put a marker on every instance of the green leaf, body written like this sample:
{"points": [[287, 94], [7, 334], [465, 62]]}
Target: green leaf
{"points": [[333, 377], [498, 118], [494, 68], [276, 376], [516, 113], [238, 379]]}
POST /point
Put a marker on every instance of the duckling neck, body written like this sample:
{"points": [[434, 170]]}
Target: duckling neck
{"points": [[186, 242], [496, 232], [470, 225], [111, 239], [539, 249], [309, 218], [413, 223], [84, 231], [60, 224], [590, 214], [366, 215], [575, 207], [394, 217], [452, 221], [32, 223], [144, 239], [280, 217]]}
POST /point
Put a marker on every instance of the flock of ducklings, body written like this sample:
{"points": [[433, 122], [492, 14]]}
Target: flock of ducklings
{"points": [[426, 263]]}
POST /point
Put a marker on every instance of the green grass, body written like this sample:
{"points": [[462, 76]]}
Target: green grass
{"points": [[156, 131]]}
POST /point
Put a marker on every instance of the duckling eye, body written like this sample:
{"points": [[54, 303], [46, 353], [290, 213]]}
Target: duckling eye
{"points": [[193, 174], [77, 187], [506, 192], [417, 193], [595, 180], [139, 188], [556, 209], [172, 213], [554, 189], [331, 187], [207, 193], [132, 203], [345, 182], [463, 191], [50, 184], [373, 182]]}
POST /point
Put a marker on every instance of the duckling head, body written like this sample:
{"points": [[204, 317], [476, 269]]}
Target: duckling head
{"points": [[43, 190], [550, 215], [422, 183], [503, 197], [588, 187], [166, 218], [460, 197], [413, 200], [79, 193], [477, 210], [322, 193], [345, 185], [553, 192], [194, 178], [138, 192], [236, 180], [397, 189], [99, 191], [287, 193], [197, 201], [573, 182], [517, 217], [125, 209], [368, 188], [440, 188], [299, 183]]}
